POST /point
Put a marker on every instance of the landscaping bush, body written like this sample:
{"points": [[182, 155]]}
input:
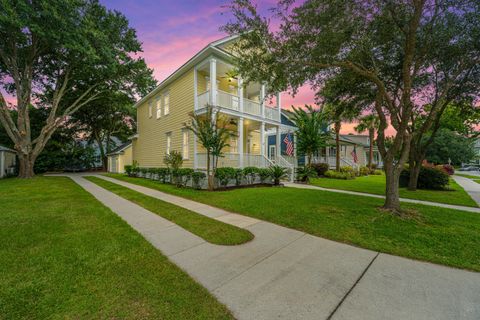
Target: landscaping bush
{"points": [[135, 168], [277, 173], [182, 176], [430, 178], [376, 172], [264, 174], [448, 169], [364, 171], [374, 166], [197, 176], [143, 171], [249, 173], [339, 175], [238, 176], [128, 170], [321, 168], [224, 175], [305, 173], [173, 160], [347, 169]]}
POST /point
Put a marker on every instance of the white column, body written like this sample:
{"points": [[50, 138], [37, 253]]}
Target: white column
{"points": [[279, 106], [262, 100], [195, 156], [213, 81], [2, 170], [240, 141], [195, 88], [277, 142], [262, 138], [240, 93]]}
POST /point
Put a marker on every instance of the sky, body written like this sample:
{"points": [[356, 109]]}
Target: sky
{"points": [[173, 31]]}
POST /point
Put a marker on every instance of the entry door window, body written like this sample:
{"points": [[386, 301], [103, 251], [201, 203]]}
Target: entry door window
{"points": [[271, 152]]}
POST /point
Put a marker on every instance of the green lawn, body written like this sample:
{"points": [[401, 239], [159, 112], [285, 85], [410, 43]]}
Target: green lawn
{"points": [[66, 256], [376, 185], [211, 230], [439, 235]]}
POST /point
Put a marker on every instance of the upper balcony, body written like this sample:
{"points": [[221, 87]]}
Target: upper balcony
{"points": [[229, 92]]}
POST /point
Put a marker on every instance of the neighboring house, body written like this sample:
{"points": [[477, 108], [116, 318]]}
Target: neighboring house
{"points": [[8, 161], [163, 115], [120, 157]]}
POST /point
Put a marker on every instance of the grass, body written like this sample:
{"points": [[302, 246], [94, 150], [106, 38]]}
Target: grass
{"points": [[438, 235], [376, 185], [211, 230], [66, 256]]}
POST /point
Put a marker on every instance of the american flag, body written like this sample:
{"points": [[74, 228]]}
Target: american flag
{"points": [[354, 154], [289, 143]]}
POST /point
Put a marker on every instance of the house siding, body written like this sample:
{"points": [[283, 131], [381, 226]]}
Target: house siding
{"points": [[150, 147]]}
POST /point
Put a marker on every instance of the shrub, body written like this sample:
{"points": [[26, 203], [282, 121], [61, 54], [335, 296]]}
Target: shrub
{"points": [[320, 168], [305, 173], [339, 175], [347, 169], [364, 171], [163, 174], [181, 176], [143, 171], [238, 176], [197, 176], [173, 160], [430, 178], [249, 173], [128, 170], [277, 173], [135, 168], [376, 172], [448, 169], [374, 166], [224, 174], [264, 174]]}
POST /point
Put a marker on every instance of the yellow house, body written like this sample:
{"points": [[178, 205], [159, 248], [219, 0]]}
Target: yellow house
{"points": [[120, 157], [163, 114]]}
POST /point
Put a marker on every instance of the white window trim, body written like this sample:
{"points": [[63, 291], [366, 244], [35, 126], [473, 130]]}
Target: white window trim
{"points": [[185, 144], [158, 107], [168, 142], [166, 107], [150, 109]]}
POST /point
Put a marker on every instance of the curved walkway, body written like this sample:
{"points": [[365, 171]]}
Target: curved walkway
{"points": [[427, 203], [287, 274], [471, 187]]}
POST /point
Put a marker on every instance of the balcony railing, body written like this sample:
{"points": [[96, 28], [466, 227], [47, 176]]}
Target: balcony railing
{"points": [[232, 102], [233, 160]]}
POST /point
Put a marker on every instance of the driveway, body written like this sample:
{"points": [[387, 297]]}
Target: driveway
{"points": [[287, 274]]}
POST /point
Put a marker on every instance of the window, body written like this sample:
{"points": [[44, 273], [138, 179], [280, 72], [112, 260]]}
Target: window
{"points": [[159, 107], [150, 109], [169, 142], [234, 144], [332, 152], [166, 104], [185, 144]]}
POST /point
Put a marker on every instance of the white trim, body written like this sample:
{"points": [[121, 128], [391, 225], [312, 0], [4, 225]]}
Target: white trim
{"points": [[240, 140], [195, 88]]}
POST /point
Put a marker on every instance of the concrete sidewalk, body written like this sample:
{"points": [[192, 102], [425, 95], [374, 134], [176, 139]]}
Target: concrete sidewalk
{"points": [[471, 187], [354, 193], [287, 274]]}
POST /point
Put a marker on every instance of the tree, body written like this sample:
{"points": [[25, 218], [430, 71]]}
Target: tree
{"points": [[311, 131], [368, 123], [212, 132], [461, 117], [450, 146], [58, 55], [408, 54]]}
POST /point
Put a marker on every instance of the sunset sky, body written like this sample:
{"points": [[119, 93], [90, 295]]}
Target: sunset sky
{"points": [[173, 31]]}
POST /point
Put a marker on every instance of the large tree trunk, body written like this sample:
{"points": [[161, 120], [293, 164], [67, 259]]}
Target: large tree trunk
{"points": [[209, 174], [414, 174], [392, 194], [371, 133], [338, 126], [26, 163]]}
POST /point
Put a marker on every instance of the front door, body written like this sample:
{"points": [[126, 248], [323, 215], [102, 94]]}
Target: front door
{"points": [[271, 152]]}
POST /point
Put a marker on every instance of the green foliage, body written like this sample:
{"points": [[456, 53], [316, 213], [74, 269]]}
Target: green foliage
{"points": [[173, 160], [197, 177], [224, 175], [339, 175], [448, 145], [239, 176], [364, 171], [430, 178], [347, 169], [181, 176], [250, 173], [305, 173], [128, 169], [320, 168], [311, 131], [277, 173], [376, 172], [264, 174]]}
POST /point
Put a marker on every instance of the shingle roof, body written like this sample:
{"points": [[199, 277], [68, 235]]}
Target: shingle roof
{"points": [[120, 148]]}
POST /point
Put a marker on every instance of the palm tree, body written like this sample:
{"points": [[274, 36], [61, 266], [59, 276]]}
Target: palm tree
{"points": [[212, 132], [369, 122], [338, 113], [311, 131]]}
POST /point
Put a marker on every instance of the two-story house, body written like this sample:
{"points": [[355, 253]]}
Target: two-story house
{"points": [[207, 78]]}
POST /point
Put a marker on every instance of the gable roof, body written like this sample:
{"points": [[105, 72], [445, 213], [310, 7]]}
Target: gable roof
{"points": [[2, 148], [211, 48], [120, 149]]}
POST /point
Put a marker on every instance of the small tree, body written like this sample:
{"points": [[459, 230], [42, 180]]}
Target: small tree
{"points": [[173, 160], [212, 132], [369, 122], [311, 131]]}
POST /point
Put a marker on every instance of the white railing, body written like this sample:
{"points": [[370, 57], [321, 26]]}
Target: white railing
{"points": [[251, 107], [332, 161], [203, 99], [271, 113], [282, 162], [291, 159], [228, 100], [233, 160]]}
